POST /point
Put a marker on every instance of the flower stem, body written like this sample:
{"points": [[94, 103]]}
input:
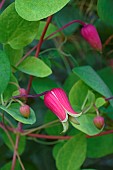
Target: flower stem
{"points": [[40, 127], [49, 137], [2, 3], [43, 136], [12, 143], [65, 26], [30, 96], [110, 98], [66, 137], [16, 146], [38, 49], [42, 37], [60, 29]]}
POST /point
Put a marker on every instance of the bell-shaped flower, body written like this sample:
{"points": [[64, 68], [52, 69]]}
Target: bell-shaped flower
{"points": [[91, 35], [57, 101]]}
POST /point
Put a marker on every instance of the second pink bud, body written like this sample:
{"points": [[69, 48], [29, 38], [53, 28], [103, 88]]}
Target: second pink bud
{"points": [[91, 35]]}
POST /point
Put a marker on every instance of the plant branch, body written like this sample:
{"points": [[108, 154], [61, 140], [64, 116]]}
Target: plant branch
{"points": [[30, 96], [2, 3], [12, 143], [49, 136], [38, 49], [108, 40], [16, 146], [60, 29], [110, 98], [42, 36], [66, 137], [65, 26], [29, 133], [40, 127]]}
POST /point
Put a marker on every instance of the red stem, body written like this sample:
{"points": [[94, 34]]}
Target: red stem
{"points": [[2, 3], [38, 49], [30, 96], [29, 84], [42, 36], [65, 26], [14, 155], [51, 137], [27, 54], [66, 137], [60, 29], [101, 134], [110, 98], [16, 146]]}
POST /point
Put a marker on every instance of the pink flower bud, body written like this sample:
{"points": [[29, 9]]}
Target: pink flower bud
{"points": [[23, 92], [91, 35], [25, 110], [99, 122], [57, 101]]}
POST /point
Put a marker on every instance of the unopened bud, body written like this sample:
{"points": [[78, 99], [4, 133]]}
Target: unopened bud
{"points": [[23, 92], [99, 122], [25, 110], [91, 35]]}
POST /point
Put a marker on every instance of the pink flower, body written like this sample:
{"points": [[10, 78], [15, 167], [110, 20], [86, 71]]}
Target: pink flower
{"points": [[57, 101], [91, 35]]}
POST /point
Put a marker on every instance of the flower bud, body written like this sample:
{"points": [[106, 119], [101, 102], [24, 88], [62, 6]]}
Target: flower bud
{"points": [[99, 122], [25, 110], [23, 92], [91, 35]]}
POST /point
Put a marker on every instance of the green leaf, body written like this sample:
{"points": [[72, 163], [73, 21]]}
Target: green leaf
{"points": [[70, 81], [56, 128], [100, 146], [36, 10], [72, 154], [14, 55], [107, 75], [86, 124], [13, 110], [35, 67], [43, 84], [100, 102], [92, 79], [78, 93], [10, 88], [8, 165], [105, 11], [14, 30], [52, 28], [57, 147], [5, 71], [22, 141]]}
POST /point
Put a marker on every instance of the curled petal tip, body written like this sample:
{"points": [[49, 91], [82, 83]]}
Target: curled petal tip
{"points": [[65, 126]]}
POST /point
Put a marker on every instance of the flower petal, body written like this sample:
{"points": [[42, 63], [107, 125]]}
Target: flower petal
{"points": [[65, 126], [55, 106], [63, 99]]}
